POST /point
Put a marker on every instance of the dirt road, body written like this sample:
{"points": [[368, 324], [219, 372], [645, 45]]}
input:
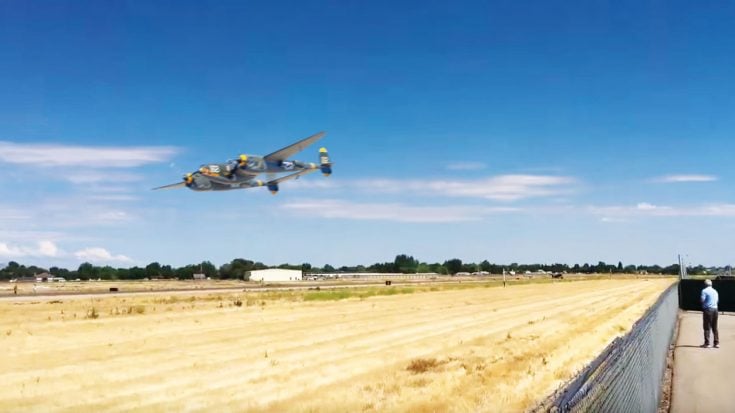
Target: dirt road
{"points": [[476, 349]]}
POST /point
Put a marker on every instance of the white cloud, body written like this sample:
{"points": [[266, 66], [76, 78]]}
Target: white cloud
{"points": [[54, 155], [684, 178], [98, 254], [43, 248], [612, 213], [92, 177], [465, 166], [12, 214], [48, 249], [501, 188], [397, 212], [9, 251], [114, 197]]}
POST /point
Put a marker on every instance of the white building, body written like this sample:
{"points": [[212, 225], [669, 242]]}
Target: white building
{"points": [[275, 274]]}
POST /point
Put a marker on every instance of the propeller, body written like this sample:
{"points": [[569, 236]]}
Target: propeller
{"points": [[187, 179]]}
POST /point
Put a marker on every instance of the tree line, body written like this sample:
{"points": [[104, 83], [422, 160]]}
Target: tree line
{"points": [[406, 264]]}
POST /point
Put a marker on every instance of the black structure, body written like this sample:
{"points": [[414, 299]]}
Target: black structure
{"points": [[690, 290]]}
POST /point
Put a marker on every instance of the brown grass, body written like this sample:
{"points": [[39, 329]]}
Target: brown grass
{"points": [[456, 350]]}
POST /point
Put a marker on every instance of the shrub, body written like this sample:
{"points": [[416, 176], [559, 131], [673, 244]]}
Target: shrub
{"points": [[417, 366], [92, 313]]}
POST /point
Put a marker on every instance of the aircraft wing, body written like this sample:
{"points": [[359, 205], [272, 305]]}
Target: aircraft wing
{"points": [[285, 153], [172, 186], [289, 177]]}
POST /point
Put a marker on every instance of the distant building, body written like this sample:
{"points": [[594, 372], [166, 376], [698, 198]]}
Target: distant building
{"points": [[43, 277], [274, 274], [200, 277]]}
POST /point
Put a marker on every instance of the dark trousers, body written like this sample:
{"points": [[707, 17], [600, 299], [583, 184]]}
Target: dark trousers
{"points": [[709, 320]]}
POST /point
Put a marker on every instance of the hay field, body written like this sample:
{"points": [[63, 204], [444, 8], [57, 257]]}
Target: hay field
{"points": [[452, 349], [72, 287]]}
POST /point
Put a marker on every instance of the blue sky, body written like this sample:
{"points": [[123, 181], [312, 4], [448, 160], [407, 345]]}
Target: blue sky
{"points": [[515, 132]]}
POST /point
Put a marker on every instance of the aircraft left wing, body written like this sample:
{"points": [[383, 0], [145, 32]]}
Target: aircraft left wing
{"points": [[172, 186], [285, 153]]}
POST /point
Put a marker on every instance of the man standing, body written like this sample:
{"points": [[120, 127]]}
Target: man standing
{"points": [[709, 299]]}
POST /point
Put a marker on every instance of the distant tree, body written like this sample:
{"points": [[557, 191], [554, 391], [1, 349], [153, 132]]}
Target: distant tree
{"points": [[167, 271], [620, 266], [208, 269], [405, 264], [137, 273], [87, 271], [185, 272], [423, 268], [437, 268], [328, 268], [468, 267], [453, 266], [107, 273], [225, 271], [671, 269], [698, 270], [153, 270], [123, 273]]}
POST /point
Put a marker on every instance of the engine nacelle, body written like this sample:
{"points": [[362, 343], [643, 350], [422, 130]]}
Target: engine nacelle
{"points": [[273, 188]]}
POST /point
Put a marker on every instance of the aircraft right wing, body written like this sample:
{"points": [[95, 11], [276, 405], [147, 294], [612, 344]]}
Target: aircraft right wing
{"points": [[289, 177], [285, 153]]}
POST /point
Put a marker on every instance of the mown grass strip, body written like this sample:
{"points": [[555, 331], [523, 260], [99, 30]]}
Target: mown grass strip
{"points": [[342, 294]]}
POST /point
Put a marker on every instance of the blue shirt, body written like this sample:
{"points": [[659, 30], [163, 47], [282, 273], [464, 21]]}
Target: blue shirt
{"points": [[709, 298]]}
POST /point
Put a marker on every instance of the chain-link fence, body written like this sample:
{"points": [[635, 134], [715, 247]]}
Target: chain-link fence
{"points": [[627, 376]]}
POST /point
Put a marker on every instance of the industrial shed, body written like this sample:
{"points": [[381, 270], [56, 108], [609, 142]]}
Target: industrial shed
{"points": [[275, 274]]}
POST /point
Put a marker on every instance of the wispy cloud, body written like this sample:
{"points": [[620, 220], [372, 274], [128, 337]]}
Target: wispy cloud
{"points": [[500, 188], [465, 166], [93, 177], [98, 254], [397, 212], [8, 213], [114, 197], [49, 249], [43, 248], [613, 213], [54, 155], [669, 179]]}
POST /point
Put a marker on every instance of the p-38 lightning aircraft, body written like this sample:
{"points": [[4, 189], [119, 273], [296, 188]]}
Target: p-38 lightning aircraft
{"points": [[240, 173]]}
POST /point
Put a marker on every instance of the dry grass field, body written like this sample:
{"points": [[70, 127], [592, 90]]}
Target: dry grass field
{"points": [[420, 349]]}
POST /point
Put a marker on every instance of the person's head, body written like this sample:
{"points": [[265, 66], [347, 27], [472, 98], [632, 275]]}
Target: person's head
{"points": [[708, 283]]}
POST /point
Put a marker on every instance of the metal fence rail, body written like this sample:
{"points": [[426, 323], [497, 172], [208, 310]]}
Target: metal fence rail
{"points": [[627, 376]]}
